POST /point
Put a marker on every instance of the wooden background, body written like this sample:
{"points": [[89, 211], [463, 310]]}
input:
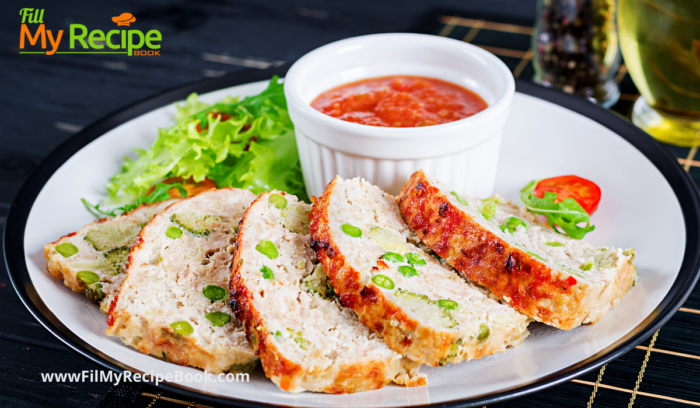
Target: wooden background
{"points": [[45, 99]]}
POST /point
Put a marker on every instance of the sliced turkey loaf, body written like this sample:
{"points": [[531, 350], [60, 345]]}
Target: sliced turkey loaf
{"points": [[93, 260], [423, 309], [305, 339], [174, 301], [550, 277]]}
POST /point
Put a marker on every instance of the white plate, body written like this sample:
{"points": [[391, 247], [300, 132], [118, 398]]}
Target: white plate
{"points": [[639, 209]]}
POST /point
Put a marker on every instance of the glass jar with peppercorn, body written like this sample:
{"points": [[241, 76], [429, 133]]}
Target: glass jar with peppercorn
{"points": [[576, 49]]}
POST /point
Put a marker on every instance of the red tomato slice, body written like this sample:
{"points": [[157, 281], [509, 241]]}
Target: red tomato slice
{"points": [[585, 192], [192, 188]]}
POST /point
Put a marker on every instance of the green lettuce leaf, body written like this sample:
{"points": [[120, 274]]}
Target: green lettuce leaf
{"points": [[268, 164], [255, 148], [566, 215]]}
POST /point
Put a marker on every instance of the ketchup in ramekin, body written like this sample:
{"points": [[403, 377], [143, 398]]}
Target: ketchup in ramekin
{"points": [[399, 101]]}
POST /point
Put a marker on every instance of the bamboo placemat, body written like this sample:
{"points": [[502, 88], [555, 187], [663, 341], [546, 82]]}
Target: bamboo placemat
{"points": [[661, 372]]}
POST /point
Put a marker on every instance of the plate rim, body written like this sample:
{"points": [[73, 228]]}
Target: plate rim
{"points": [[682, 185]]}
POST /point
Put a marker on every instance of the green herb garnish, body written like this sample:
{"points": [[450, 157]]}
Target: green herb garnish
{"points": [[393, 257], [415, 259], [565, 215], [554, 244], [299, 339], [447, 304], [535, 256], [459, 199], [511, 224], [407, 271], [488, 209], [267, 273]]}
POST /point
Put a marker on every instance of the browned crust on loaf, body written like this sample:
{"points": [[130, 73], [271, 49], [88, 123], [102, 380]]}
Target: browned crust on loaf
{"points": [[408, 338], [508, 272], [287, 374], [163, 342], [59, 270], [157, 340]]}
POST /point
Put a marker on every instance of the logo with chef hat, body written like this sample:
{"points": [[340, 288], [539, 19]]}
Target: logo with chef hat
{"points": [[124, 19], [83, 40]]}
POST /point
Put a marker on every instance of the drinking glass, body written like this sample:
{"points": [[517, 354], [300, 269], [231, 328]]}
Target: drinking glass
{"points": [[660, 42]]}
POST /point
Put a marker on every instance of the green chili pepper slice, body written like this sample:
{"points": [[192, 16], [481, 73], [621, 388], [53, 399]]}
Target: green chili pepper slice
{"points": [[415, 259], [408, 271], [393, 257], [383, 281]]}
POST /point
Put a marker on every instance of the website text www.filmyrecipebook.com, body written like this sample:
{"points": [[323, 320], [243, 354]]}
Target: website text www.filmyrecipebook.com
{"points": [[128, 376]]}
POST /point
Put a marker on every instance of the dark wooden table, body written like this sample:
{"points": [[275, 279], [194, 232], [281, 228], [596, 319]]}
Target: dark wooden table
{"points": [[45, 99]]}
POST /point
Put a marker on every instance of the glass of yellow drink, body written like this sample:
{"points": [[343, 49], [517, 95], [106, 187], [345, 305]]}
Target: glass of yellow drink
{"points": [[660, 41]]}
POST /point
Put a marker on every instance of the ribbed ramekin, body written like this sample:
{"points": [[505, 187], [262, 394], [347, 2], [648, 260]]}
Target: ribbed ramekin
{"points": [[462, 154]]}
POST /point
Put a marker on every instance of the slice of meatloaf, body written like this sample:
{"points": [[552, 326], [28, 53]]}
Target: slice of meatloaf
{"points": [[93, 260], [550, 277], [305, 339], [173, 303], [421, 308]]}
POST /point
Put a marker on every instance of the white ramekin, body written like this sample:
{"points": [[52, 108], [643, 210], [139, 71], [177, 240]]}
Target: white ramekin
{"points": [[462, 154]]}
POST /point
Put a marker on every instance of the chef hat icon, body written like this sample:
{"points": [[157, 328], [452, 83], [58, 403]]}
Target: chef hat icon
{"points": [[124, 19]]}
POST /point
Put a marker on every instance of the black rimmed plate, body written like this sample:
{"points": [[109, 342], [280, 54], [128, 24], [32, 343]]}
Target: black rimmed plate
{"points": [[649, 203]]}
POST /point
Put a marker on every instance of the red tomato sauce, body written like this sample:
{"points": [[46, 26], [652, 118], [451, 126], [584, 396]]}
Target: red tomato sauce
{"points": [[399, 101]]}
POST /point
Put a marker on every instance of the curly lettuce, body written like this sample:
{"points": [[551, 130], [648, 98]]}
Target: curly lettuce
{"points": [[246, 143]]}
